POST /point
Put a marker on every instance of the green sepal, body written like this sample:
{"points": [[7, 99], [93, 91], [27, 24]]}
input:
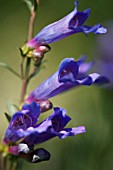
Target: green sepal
{"points": [[25, 50], [8, 117], [4, 65], [21, 52]]}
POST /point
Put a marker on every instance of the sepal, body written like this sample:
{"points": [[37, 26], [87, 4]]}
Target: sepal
{"points": [[25, 51]]}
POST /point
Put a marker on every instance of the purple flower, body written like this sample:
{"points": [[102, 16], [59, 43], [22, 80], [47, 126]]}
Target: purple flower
{"points": [[104, 62], [70, 74], [70, 24], [23, 125]]}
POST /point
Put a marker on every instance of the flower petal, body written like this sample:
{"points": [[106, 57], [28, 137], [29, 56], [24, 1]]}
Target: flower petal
{"points": [[72, 131], [33, 111], [70, 24], [70, 74], [21, 121], [96, 29]]}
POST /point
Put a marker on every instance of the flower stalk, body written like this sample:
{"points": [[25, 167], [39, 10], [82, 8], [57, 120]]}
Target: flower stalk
{"points": [[25, 78]]}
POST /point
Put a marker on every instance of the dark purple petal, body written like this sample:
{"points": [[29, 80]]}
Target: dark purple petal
{"points": [[59, 119], [48, 128], [106, 69], [79, 18], [33, 111], [96, 29], [38, 134], [51, 127], [71, 131], [10, 136], [93, 78], [18, 121], [83, 69], [104, 61], [68, 70], [23, 119], [70, 24]]}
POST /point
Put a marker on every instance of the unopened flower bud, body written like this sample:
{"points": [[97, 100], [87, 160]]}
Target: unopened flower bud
{"points": [[40, 155], [44, 48], [36, 156], [24, 148], [45, 105]]}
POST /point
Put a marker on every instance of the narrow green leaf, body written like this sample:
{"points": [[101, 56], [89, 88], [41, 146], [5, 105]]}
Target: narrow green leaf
{"points": [[29, 4], [4, 65], [16, 107], [11, 108], [8, 117], [35, 5]]}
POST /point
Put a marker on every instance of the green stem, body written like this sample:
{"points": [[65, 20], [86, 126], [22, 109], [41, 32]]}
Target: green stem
{"points": [[28, 63], [25, 81], [23, 90], [21, 68], [15, 164], [31, 24], [4, 162], [25, 78]]}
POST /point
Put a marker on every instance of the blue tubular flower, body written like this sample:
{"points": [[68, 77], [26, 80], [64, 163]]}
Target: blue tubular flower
{"points": [[70, 74], [70, 24], [104, 61], [23, 119], [23, 126]]}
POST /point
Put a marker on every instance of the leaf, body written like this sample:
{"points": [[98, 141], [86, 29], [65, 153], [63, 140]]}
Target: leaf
{"points": [[29, 4], [4, 65], [11, 108], [8, 117], [35, 4]]}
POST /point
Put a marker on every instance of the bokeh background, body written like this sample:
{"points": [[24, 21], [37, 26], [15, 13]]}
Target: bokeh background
{"points": [[89, 106]]}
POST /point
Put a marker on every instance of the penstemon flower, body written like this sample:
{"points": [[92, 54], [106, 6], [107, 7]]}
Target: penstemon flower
{"points": [[23, 127], [70, 24], [104, 61], [70, 74], [25, 131]]}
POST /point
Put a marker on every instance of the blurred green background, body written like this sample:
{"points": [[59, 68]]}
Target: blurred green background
{"points": [[89, 106]]}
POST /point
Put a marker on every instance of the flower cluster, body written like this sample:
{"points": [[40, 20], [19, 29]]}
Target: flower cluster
{"points": [[24, 126], [24, 130]]}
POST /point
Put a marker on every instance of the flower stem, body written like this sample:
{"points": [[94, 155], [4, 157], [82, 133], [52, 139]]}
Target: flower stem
{"points": [[23, 90], [21, 68], [25, 78], [4, 162], [31, 24]]}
